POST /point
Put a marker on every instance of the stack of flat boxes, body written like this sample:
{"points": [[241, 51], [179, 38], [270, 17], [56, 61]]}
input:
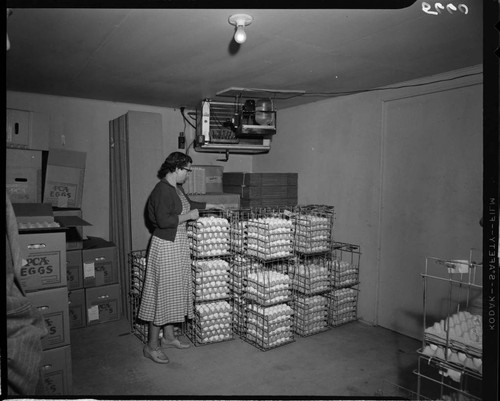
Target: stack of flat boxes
{"points": [[98, 271], [204, 184], [44, 280], [42, 243], [93, 289], [260, 190]]}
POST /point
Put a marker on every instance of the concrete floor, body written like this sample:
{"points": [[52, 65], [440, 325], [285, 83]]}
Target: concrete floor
{"points": [[352, 360]]}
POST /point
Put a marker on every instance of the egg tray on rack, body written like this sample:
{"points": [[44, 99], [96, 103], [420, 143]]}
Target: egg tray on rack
{"points": [[309, 279], [342, 306], [269, 238], [203, 337], [266, 342], [267, 287], [343, 316], [456, 360], [310, 314], [268, 322], [461, 331], [305, 329], [268, 327], [212, 322], [209, 237], [312, 232], [343, 273], [265, 332], [210, 279]]}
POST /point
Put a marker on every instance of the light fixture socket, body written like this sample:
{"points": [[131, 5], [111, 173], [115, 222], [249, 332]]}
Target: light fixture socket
{"points": [[240, 21]]}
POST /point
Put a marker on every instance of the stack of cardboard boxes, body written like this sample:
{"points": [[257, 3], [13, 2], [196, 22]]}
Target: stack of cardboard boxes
{"points": [[260, 190], [204, 184], [72, 280]]}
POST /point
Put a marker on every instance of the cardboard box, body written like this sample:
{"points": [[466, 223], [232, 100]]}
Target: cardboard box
{"points": [[27, 129], [56, 371], [29, 214], [71, 219], [64, 179], [76, 308], [268, 202], [204, 179], [258, 192], [103, 304], [53, 304], [100, 262], [230, 201], [45, 253], [260, 179], [24, 175], [74, 269]]}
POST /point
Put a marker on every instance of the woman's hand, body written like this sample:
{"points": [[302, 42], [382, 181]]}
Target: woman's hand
{"points": [[215, 206], [193, 214]]}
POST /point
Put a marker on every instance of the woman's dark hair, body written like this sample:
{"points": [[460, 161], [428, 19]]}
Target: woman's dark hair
{"points": [[174, 160]]}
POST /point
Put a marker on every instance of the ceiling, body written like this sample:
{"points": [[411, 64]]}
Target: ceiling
{"points": [[176, 57]]}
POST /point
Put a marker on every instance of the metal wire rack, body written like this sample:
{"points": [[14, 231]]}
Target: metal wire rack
{"points": [[137, 274], [451, 353]]}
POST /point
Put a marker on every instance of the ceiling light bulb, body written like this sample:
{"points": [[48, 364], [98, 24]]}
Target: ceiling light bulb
{"points": [[240, 36], [240, 21]]}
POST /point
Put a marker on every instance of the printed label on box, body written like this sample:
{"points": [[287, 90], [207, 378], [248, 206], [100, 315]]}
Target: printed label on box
{"points": [[88, 269], [53, 382], [100, 275], [104, 311], [76, 316], [55, 326], [93, 313], [61, 194], [73, 277], [108, 310], [19, 192], [44, 267]]}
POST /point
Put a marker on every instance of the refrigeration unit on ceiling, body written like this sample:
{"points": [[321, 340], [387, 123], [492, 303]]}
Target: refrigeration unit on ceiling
{"points": [[244, 125]]}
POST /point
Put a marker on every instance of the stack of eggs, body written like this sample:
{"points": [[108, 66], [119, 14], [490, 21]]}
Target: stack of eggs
{"points": [[453, 356], [462, 328], [45, 224], [213, 323], [344, 273], [342, 306], [311, 314], [211, 279], [209, 236], [310, 277], [271, 326], [267, 287], [269, 237], [312, 234]]}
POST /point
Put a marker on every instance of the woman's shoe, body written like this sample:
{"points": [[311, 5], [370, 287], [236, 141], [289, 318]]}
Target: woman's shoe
{"points": [[173, 344], [156, 355]]}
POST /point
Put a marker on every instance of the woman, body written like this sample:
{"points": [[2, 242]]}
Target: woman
{"points": [[167, 295]]}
